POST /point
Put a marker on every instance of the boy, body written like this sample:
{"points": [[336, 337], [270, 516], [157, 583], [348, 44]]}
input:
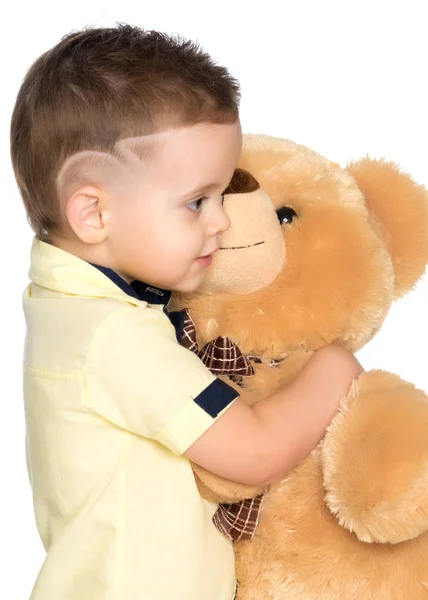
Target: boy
{"points": [[122, 144]]}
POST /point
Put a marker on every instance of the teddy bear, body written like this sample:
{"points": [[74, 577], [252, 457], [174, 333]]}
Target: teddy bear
{"points": [[315, 255]]}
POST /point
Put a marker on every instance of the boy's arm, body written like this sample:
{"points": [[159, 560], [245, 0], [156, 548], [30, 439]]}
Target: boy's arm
{"points": [[260, 444]]}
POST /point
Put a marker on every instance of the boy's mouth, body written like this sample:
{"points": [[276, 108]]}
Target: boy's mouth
{"points": [[205, 261]]}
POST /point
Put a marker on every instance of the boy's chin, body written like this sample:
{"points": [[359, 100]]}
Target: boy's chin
{"points": [[189, 287]]}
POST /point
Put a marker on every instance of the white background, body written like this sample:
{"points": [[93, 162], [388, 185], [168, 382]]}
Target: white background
{"points": [[345, 78]]}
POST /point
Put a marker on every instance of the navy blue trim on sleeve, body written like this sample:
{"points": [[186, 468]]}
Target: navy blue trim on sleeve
{"points": [[214, 398]]}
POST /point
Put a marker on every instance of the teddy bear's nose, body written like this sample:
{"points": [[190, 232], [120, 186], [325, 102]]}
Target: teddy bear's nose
{"points": [[286, 214]]}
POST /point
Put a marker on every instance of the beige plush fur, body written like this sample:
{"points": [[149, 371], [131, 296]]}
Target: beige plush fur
{"points": [[351, 522]]}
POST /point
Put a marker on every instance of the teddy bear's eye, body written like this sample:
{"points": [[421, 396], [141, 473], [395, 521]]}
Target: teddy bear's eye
{"points": [[286, 214]]}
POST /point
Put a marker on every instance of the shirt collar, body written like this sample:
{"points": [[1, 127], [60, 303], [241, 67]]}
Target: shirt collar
{"points": [[61, 271], [137, 289]]}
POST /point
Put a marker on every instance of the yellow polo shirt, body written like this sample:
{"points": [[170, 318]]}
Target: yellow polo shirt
{"points": [[111, 402]]}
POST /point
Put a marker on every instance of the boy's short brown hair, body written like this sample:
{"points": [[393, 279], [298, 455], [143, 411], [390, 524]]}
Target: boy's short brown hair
{"points": [[98, 86]]}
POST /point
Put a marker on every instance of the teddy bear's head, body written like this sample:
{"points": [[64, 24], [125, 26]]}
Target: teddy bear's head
{"points": [[315, 253]]}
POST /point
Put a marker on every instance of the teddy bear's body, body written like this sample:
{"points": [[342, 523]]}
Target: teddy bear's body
{"points": [[300, 552], [351, 522]]}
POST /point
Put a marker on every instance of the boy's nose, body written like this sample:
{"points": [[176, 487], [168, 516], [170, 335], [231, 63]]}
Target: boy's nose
{"points": [[220, 221]]}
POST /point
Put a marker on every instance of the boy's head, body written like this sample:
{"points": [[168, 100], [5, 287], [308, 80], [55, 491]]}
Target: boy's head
{"points": [[112, 131]]}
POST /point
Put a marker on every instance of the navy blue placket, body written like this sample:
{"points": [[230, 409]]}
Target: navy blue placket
{"points": [[148, 293]]}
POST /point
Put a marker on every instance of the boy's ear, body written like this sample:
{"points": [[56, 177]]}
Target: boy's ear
{"points": [[84, 214], [83, 186]]}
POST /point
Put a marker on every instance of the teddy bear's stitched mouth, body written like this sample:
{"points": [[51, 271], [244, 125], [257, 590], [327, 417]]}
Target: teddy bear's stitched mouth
{"points": [[239, 247]]}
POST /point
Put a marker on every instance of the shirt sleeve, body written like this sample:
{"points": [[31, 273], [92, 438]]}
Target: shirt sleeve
{"points": [[139, 378]]}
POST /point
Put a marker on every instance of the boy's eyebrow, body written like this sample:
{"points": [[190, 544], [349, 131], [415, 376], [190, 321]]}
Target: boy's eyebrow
{"points": [[209, 187]]}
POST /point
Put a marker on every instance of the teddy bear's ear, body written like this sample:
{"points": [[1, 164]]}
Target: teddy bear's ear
{"points": [[400, 208]]}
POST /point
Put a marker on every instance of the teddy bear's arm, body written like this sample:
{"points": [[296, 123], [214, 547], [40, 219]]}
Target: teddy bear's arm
{"points": [[375, 460], [217, 489]]}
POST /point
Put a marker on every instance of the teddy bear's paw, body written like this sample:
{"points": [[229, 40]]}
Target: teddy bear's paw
{"points": [[375, 460]]}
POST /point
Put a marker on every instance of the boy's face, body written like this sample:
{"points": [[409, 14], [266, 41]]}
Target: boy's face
{"points": [[165, 218]]}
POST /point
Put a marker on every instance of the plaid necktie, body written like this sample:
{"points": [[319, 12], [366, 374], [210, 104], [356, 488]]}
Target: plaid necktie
{"points": [[221, 356], [238, 521]]}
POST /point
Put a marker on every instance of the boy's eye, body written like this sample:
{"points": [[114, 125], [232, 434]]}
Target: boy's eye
{"points": [[195, 205]]}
